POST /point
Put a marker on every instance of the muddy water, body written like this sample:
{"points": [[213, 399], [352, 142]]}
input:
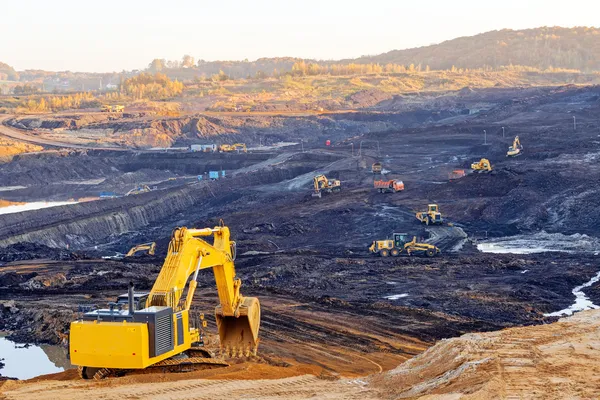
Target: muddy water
{"points": [[15, 208], [28, 362]]}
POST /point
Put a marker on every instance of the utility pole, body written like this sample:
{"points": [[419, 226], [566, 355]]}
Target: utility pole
{"points": [[484, 137], [352, 148], [302, 143], [574, 123], [502, 131]]}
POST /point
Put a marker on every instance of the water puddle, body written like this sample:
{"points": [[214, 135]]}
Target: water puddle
{"points": [[37, 205], [396, 296], [582, 302], [26, 362], [541, 242]]}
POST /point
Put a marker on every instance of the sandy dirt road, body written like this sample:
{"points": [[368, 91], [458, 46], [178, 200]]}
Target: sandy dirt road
{"points": [[21, 136]]}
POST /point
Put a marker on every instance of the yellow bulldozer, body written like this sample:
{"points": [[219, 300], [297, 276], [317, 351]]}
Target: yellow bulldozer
{"points": [[515, 149], [482, 165], [151, 247], [159, 332], [401, 245], [322, 184], [431, 216]]}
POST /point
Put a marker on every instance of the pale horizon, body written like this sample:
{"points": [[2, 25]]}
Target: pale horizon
{"points": [[81, 37]]}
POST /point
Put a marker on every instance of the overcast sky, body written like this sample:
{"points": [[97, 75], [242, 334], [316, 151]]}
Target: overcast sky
{"points": [[112, 35]]}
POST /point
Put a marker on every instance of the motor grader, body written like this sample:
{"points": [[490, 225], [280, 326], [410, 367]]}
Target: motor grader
{"points": [[401, 245], [482, 165], [159, 333]]}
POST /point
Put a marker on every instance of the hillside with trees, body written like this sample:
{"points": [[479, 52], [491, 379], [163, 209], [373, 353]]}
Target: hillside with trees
{"points": [[542, 48], [574, 49], [8, 73]]}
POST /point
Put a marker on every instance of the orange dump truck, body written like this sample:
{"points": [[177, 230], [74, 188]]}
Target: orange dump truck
{"points": [[391, 186]]}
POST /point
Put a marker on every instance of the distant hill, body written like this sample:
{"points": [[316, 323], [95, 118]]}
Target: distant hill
{"points": [[8, 73], [570, 48]]}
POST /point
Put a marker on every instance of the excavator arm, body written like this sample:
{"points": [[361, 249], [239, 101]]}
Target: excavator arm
{"points": [[238, 318]]}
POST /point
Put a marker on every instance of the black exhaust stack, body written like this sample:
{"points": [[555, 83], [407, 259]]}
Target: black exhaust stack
{"points": [[130, 298]]}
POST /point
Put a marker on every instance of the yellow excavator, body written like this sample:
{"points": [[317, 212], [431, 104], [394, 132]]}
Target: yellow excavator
{"points": [[482, 165], [159, 332], [151, 247], [515, 149], [400, 245], [322, 184], [233, 147], [139, 190], [431, 216], [112, 109]]}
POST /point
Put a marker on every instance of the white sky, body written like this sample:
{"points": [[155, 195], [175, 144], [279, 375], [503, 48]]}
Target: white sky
{"points": [[112, 35]]}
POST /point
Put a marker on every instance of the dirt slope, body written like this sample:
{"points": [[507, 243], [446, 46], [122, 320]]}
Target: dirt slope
{"points": [[554, 361]]}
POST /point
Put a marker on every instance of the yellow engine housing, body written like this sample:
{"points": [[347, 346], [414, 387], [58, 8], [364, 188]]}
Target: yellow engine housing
{"points": [[124, 345]]}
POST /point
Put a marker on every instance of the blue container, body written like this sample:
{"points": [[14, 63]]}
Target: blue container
{"points": [[199, 177], [213, 174]]}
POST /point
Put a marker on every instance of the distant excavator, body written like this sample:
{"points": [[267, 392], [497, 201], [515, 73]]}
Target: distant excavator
{"points": [[401, 245], [322, 184], [159, 332], [431, 216], [482, 165], [151, 247], [139, 189], [112, 109], [515, 149], [226, 148]]}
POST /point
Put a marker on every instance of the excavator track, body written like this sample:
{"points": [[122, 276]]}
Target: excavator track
{"points": [[165, 366]]}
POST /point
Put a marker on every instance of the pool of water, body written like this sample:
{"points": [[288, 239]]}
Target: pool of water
{"points": [[541, 242], [33, 206], [25, 362]]}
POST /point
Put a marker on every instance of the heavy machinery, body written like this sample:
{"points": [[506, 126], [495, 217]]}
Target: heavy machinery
{"points": [[376, 168], [400, 245], [482, 165], [160, 332], [456, 174], [151, 247], [431, 216], [226, 148], [139, 189], [515, 149], [391, 186], [112, 109], [322, 184]]}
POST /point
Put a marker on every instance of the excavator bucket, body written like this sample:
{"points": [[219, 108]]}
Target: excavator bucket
{"points": [[239, 335]]}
